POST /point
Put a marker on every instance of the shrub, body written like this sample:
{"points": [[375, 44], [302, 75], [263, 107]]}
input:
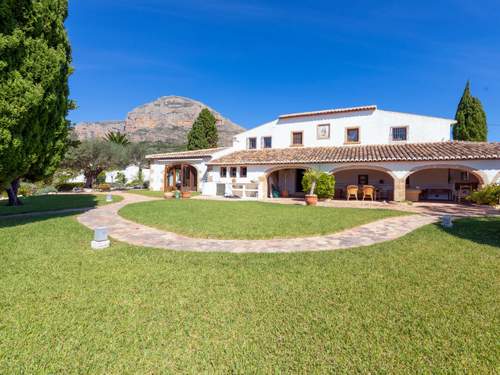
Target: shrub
{"points": [[135, 183], [120, 178], [46, 190], [101, 178], [325, 184], [145, 184], [69, 186], [104, 187], [490, 194], [26, 189]]}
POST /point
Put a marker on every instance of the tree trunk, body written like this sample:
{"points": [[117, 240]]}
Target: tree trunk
{"points": [[313, 187], [89, 180], [12, 193]]}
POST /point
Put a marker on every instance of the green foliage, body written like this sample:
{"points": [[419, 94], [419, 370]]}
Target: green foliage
{"points": [[101, 178], [92, 157], [46, 190], [68, 186], [471, 119], [27, 189], [489, 194], [204, 133], [117, 138], [35, 59], [324, 183], [120, 178]]}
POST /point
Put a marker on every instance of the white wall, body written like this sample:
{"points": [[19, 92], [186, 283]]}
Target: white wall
{"points": [[374, 128], [255, 173], [130, 174]]}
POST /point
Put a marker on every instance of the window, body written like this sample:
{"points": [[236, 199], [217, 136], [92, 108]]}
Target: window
{"points": [[252, 143], [233, 172], [243, 171], [362, 179], [323, 131], [267, 142], [352, 135], [464, 176], [223, 171], [297, 138], [399, 134]]}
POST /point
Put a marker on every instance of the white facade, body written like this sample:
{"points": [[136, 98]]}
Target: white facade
{"points": [[375, 127], [340, 128]]}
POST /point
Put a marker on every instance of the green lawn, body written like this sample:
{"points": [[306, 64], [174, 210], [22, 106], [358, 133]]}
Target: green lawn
{"points": [[247, 220], [154, 194], [55, 202], [426, 303], [147, 193]]}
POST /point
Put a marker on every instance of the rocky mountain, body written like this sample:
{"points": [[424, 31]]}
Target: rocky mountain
{"points": [[167, 119]]}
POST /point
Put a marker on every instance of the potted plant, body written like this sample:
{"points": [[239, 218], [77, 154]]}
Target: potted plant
{"points": [[318, 185], [309, 181], [186, 194]]}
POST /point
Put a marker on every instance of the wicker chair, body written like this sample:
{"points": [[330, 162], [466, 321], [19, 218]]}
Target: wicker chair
{"points": [[352, 190], [369, 191]]}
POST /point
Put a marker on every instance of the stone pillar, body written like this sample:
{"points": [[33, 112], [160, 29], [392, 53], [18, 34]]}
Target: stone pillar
{"points": [[399, 189], [262, 187]]}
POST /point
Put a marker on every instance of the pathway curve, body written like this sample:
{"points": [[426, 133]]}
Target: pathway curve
{"points": [[141, 235]]}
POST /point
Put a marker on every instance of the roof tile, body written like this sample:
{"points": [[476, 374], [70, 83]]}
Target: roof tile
{"points": [[365, 153]]}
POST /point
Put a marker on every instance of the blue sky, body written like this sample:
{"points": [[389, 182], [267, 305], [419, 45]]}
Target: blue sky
{"points": [[253, 60]]}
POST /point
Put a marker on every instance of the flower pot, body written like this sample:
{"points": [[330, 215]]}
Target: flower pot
{"points": [[311, 199], [186, 194], [284, 193], [168, 195]]}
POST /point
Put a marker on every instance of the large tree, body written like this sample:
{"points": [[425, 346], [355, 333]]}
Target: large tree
{"points": [[92, 157], [471, 119], [204, 133], [35, 59]]}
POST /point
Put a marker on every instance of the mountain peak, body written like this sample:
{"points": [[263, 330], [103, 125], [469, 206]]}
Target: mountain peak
{"points": [[167, 119]]}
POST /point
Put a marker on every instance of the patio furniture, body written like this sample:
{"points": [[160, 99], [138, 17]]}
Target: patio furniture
{"points": [[412, 194], [369, 191], [352, 190], [463, 191]]}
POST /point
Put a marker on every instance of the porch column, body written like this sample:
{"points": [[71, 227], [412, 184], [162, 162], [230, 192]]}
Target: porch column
{"points": [[262, 187], [399, 189]]}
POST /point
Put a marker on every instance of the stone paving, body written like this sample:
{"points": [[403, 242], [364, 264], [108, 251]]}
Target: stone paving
{"points": [[141, 235]]}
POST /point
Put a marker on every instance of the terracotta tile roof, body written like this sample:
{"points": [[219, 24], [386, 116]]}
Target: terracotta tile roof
{"points": [[208, 152], [329, 112], [365, 153]]}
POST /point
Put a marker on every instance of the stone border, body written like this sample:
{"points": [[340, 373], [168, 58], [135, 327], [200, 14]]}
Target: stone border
{"points": [[141, 235]]}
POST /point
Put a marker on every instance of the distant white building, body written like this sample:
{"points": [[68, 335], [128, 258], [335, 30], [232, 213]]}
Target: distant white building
{"points": [[395, 152], [131, 174]]}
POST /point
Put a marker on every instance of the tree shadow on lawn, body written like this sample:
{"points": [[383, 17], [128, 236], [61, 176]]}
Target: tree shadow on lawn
{"points": [[482, 230], [35, 205], [7, 222]]}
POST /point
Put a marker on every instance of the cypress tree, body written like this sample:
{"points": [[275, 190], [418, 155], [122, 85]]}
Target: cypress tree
{"points": [[204, 133], [471, 119], [35, 58]]}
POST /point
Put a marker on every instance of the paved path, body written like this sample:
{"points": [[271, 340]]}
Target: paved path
{"points": [[141, 235]]}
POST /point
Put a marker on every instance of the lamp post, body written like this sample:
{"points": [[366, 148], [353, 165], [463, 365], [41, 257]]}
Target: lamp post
{"points": [[101, 240]]}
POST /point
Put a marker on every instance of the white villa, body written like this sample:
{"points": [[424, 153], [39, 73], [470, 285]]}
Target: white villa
{"points": [[404, 156]]}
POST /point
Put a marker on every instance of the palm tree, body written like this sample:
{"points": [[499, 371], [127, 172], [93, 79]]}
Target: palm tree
{"points": [[118, 138]]}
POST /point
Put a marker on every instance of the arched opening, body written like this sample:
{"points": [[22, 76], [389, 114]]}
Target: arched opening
{"points": [[443, 183], [381, 179], [180, 177], [286, 182]]}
